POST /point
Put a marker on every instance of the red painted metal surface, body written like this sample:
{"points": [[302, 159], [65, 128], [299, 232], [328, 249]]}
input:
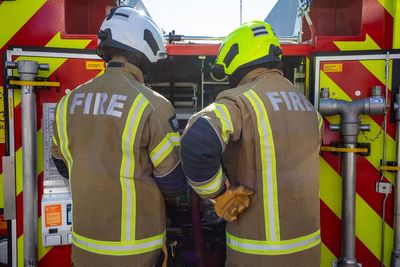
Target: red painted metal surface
{"points": [[346, 23]]}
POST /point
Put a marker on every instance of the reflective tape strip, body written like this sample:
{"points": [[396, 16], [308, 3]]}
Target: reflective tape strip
{"points": [[210, 187], [226, 123], [165, 147], [281, 247], [268, 165], [116, 248], [61, 117], [127, 170], [55, 140], [320, 121]]}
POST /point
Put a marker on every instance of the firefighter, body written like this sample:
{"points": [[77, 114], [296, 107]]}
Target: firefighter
{"points": [[268, 136], [118, 142]]}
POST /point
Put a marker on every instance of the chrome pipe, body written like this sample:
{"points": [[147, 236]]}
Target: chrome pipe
{"points": [[348, 258], [28, 71]]}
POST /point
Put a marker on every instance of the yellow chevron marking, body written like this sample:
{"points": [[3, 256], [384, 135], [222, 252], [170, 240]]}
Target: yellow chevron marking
{"points": [[327, 256], [376, 67], [18, 171], [18, 161], [368, 230], [20, 250], [368, 222], [42, 251], [100, 73], [54, 63], [396, 24], [376, 146], [14, 15], [388, 5], [367, 44], [330, 187]]}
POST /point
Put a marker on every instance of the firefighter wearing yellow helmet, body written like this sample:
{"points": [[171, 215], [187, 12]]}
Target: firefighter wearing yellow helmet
{"points": [[118, 142], [266, 135]]}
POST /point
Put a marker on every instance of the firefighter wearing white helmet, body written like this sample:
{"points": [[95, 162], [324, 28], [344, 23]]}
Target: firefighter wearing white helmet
{"points": [[118, 143], [268, 136]]}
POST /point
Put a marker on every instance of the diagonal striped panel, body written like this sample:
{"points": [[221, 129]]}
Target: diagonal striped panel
{"points": [[327, 256], [388, 5], [367, 233], [14, 14], [376, 67]]}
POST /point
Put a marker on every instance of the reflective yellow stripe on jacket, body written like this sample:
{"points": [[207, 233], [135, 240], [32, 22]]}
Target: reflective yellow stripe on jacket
{"points": [[61, 120], [222, 113], [128, 168], [162, 150], [273, 247], [209, 187], [268, 165], [116, 248]]}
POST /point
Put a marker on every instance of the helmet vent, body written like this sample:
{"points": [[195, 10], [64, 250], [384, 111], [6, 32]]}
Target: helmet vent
{"points": [[121, 14], [261, 30], [233, 51], [149, 38]]}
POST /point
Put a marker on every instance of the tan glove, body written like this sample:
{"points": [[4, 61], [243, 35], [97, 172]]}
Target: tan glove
{"points": [[233, 202]]}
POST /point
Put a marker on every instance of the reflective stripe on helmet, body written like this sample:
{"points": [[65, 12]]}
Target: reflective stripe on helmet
{"points": [[127, 170], [268, 166], [118, 248], [280, 247]]}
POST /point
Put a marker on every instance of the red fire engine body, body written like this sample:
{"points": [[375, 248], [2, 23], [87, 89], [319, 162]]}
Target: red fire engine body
{"points": [[352, 50]]}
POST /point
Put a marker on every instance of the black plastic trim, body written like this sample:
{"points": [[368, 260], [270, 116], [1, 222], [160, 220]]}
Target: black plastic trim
{"points": [[149, 38], [232, 53]]}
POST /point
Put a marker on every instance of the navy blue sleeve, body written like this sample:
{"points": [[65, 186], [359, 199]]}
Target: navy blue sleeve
{"points": [[172, 184], [201, 151]]}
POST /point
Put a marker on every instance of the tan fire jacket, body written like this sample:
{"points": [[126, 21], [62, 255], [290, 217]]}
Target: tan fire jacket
{"points": [[119, 141], [270, 136]]}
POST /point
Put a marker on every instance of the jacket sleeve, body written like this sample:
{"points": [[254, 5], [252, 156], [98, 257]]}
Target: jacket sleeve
{"points": [[55, 152], [203, 142], [163, 150]]}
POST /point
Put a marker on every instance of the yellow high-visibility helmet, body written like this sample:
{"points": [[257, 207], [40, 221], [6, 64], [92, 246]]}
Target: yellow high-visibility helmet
{"points": [[253, 43]]}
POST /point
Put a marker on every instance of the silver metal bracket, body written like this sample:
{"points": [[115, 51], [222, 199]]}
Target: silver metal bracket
{"points": [[335, 264], [383, 187]]}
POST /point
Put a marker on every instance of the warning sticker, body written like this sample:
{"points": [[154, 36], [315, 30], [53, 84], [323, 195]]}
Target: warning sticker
{"points": [[333, 67], [94, 65], [52, 214]]}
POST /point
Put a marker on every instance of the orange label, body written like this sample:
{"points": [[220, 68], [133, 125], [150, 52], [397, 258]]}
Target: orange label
{"points": [[52, 215], [333, 68], [94, 65]]}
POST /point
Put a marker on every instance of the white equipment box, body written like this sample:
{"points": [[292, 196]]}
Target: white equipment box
{"points": [[57, 200]]}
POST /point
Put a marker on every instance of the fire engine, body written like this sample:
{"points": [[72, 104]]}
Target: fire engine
{"points": [[343, 55]]}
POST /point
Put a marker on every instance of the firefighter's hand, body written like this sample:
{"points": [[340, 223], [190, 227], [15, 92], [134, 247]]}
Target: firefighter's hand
{"points": [[233, 202]]}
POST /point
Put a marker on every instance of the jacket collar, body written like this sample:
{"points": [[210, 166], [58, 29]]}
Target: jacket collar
{"points": [[258, 73], [119, 65]]}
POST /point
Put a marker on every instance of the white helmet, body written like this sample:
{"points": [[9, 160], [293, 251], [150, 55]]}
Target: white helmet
{"points": [[134, 33]]}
